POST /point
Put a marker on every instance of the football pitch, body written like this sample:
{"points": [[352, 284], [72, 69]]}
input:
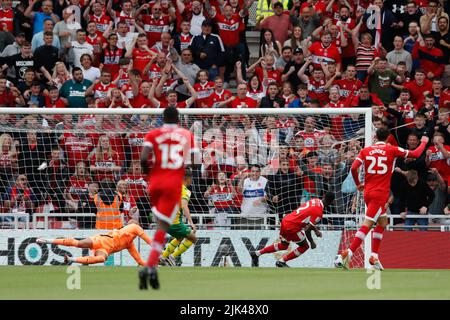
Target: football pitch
{"points": [[49, 282]]}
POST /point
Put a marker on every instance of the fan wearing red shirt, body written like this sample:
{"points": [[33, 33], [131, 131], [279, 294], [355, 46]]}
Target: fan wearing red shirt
{"points": [[171, 99], [297, 227], [99, 17], [7, 17], [310, 134], [204, 89], [317, 85], [431, 59], [111, 55], [220, 97], [142, 100], [405, 105], [438, 155], [241, 100], [378, 160], [273, 75], [154, 24], [337, 126], [78, 184], [9, 96], [346, 24], [142, 54], [324, 51], [229, 25], [221, 194], [418, 86], [104, 162], [96, 41], [100, 88], [136, 181], [318, 5], [125, 15], [170, 146], [77, 147], [349, 85], [183, 39]]}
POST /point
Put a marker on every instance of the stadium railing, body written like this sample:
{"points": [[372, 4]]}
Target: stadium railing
{"points": [[270, 222]]}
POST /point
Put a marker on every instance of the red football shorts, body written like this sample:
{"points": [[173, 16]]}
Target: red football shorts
{"points": [[165, 200], [290, 232], [376, 204]]}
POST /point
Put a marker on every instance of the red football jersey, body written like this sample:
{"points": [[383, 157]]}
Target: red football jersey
{"points": [[222, 197], [77, 187], [308, 213], [311, 139], [140, 59], [96, 42], [136, 184], [438, 161], [317, 90], [216, 97], [101, 90], [6, 20], [136, 141], [172, 146], [273, 76], [378, 160], [346, 87], [106, 162]]}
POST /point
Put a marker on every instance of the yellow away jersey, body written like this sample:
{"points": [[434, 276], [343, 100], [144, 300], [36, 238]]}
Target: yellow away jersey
{"points": [[186, 195]]}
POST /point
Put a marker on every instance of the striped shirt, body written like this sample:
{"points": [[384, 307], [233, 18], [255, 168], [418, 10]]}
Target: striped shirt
{"points": [[364, 57]]}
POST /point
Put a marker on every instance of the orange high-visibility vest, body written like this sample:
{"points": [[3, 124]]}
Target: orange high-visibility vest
{"points": [[108, 216]]}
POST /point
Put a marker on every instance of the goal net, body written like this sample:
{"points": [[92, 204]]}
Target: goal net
{"points": [[256, 166]]}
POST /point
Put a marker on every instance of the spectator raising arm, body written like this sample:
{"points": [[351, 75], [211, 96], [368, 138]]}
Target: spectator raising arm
{"points": [[188, 85], [301, 73]]}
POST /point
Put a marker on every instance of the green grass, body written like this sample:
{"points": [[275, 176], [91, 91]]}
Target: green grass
{"points": [[35, 282]]}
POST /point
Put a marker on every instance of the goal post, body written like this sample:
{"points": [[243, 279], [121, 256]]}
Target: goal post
{"points": [[316, 145]]}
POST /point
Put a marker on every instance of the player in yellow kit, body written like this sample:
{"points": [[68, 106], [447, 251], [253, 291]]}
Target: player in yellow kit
{"points": [[184, 234], [105, 244]]}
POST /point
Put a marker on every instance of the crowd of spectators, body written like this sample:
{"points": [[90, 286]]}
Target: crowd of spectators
{"points": [[195, 54]]}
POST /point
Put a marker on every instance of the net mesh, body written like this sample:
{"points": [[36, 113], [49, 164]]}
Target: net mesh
{"points": [[56, 163]]}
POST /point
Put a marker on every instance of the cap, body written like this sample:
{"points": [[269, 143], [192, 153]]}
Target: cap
{"points": [[207, 23], [278, 4], [298, 50], [20, 34]]}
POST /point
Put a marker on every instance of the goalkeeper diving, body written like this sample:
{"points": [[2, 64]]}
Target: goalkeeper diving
{"points": [[104, 245], [183, 234], [297, 227]]}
